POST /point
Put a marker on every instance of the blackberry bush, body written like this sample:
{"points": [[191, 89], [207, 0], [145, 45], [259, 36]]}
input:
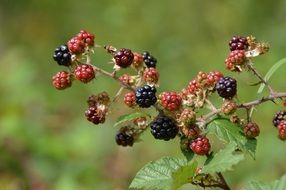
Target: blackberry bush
{"points": [[190, 114]]}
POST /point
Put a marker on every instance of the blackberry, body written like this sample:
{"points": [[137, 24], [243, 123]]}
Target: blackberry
{"points": [[200, 145], [62, 55], [226, 87], [124, 58], [62, 80], [251, 130], [278, 117], [149, 60], [124, 139], [282, 130], [238, 43], [84, 73], [95, 115], [151, 75], [129, 99], [191, 131], [170, 100], [146, 96], [164, 128]]}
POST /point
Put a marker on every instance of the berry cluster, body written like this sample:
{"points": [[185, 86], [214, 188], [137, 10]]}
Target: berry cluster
{"points": [[97, 108], [66, 55], [242, 49], [180, 114]]}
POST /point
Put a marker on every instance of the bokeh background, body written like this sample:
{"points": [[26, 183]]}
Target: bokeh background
{"points": [[45, 140]]}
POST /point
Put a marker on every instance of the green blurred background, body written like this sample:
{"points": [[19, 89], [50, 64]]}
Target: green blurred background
{"points": [[45, 141]]}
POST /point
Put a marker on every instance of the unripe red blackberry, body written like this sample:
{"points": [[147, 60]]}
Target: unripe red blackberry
{"points": [[251, 130], [123, 58], [76, 45], [95, 115], [187, 116], [124, 139], [226, 87], [193, 87], [62, 55], [238, 43], [62, 80], [164, 128], [146, 96], [151, 75], [213, 77], [236, 58], [228, 107], [138, 60], [282, 130], [85, 73], [127, 79], [170, 100], [149, 60], [191, 131], [86, 37], [278, 117], [200, 145], [130, 99]]}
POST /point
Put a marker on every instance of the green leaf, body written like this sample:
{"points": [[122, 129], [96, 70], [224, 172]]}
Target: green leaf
{"points": [[129, 117], [223, 160], [271, 71], [166, 173], [184, 145], [230, 132], [276, 185], [184, 175]]}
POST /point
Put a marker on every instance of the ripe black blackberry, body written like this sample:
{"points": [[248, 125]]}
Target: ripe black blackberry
{"points": [[124, 139], [238, 43], [226, 87], [124, 58], [164, 127], [62, 55], [95, 115], [278, 117], [149, 60], [146, 96]]}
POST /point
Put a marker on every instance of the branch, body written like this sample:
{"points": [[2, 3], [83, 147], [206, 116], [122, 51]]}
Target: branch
{"points": [[219, 182], [223, 182], [205, 119]]}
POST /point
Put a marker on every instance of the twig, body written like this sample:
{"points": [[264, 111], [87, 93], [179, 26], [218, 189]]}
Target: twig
{"points": [[211, 105], [255, 72], [223, 182], [205, 119]]}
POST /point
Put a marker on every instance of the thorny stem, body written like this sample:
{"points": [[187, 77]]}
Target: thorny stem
{"points": [[223, 182], [220, 183], [208, 117], [256, 73], [212, 107]]}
